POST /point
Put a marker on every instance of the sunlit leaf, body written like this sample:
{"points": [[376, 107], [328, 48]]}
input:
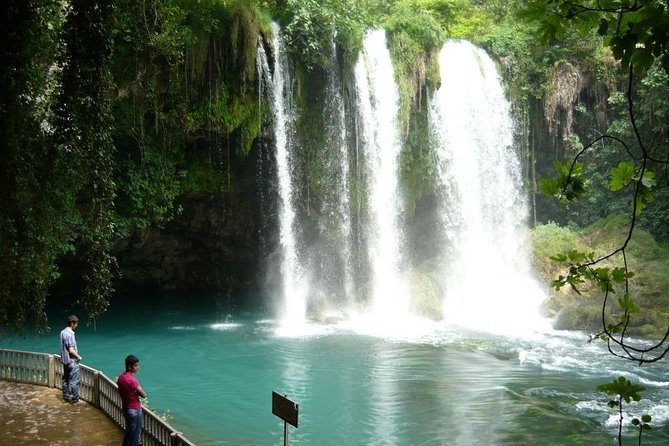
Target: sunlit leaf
{"points": [[628, 304], [620, 275], [621, 175], [648, 179], [560, 258]]}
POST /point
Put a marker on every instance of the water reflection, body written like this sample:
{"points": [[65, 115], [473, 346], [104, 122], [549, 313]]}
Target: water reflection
{"points": [[296, 383], [386, 409]]}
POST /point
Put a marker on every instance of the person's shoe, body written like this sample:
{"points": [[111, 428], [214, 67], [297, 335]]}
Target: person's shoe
{"points": [[74, 402]]}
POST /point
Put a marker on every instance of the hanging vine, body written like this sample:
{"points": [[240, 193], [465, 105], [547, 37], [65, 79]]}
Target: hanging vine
{"points": [[84, 149]]}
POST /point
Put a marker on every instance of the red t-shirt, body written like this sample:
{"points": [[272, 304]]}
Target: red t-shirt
{"points": [[127, 387]]}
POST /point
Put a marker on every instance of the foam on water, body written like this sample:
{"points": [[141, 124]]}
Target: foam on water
{"points": [[225, 326], [182, 327]]}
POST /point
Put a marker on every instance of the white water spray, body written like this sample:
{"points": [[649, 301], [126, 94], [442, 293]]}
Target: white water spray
{"points": [[487, 277], [378, 107], [295, 287], [338, 205]]}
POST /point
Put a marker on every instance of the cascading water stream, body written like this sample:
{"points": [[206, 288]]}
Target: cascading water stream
{"points": [[264, 77], [294, 283], [380, 145], [321, 276], [337, 205], [487, 275]]}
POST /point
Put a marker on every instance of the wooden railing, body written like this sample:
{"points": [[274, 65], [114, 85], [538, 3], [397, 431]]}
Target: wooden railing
{"points": [[46, 370]]}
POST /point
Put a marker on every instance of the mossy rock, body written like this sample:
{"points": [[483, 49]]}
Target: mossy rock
{"points": [[651, 331], [327, 315], [551, 306], [426, 295], [587, 318], [424, 291]]}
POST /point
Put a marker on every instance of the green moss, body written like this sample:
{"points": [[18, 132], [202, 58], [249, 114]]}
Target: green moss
{"points": [[426, 295], [414, 36], [549, 240], [417, 160], [587, 318], [315, 162]]}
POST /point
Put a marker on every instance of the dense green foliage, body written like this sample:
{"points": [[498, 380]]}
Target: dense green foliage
{"points": [[311, 26], [636, 34], [82, 130], [176, 77], [635, 30], [186, 84], [112, 111], [58, 163], [30, 239]]}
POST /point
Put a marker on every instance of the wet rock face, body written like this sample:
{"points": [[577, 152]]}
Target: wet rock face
{"points": [[218, 241], [210, 246]]}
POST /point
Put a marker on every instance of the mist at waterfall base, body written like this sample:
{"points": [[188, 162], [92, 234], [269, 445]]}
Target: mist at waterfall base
{"points": [[490, 371]]}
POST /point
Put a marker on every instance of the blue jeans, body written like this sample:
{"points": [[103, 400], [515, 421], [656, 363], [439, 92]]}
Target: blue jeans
{"points": [[71, 377], [133, 427]]}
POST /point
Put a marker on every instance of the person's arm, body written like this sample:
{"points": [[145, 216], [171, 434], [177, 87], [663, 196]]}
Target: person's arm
{"points": [[73, 353], [141, 392]]}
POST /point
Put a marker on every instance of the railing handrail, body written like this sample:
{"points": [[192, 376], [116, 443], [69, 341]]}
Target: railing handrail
{"points": [[96, 388]]}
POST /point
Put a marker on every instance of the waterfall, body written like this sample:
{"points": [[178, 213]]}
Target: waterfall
{"points": [[328, 260], [264, 75], [336, 206], [380, 146], [295, 287], [487, 274], [486, 277]]}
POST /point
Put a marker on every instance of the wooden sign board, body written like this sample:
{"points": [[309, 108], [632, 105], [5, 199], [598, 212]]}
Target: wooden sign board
{"points": [[284, 408]]}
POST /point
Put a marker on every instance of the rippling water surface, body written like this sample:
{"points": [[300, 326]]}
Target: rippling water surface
{"points": [[214, 371]]}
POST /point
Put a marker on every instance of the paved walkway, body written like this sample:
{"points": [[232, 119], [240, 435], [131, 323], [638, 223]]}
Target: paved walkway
{"points": [[37, 415]]}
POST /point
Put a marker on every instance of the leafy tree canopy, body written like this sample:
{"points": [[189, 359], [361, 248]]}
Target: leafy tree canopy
{"points": [[637, 31]]}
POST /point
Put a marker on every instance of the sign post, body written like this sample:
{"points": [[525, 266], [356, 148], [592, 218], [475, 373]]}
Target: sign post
{"points": [[285, 409]]}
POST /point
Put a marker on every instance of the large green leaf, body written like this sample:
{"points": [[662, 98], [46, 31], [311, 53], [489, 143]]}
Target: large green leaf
{"points": [[621, 175]]}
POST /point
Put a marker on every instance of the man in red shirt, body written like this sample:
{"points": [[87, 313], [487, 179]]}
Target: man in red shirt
{"points": [[130, 391]]}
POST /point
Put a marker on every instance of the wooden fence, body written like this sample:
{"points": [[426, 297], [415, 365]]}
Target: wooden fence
{"points": [[46, 370]]}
